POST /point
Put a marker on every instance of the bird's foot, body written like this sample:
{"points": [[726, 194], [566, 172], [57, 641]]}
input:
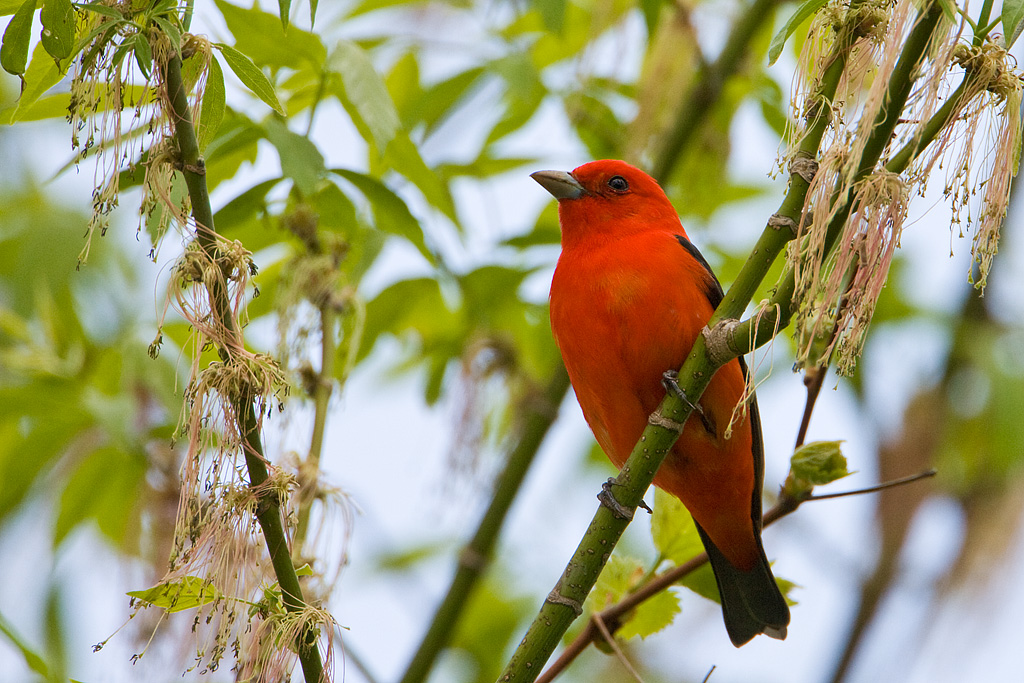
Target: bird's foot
{"points": [[670, 380], [607, 499]]}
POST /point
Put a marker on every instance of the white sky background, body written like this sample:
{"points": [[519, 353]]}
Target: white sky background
{"points": [[406, 496]]}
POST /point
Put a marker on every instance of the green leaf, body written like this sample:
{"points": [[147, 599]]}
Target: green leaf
{"points": [[651, 616], [819, 462], [143, 53], [251, 76], [58, 35], [404, 157], [390, 213], [365, 92], [177, 596], [41, 75], [1013, 20], [244, 207], [313, 4], [14, 51], [259, 34], [619, 576], [802, 13], [105, 487], [284, 7], [300, 159], [672, 529], [9, 6], [212, 112]]}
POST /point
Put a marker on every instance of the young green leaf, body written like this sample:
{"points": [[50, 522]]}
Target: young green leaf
{"points": [[651, 616], [284, 7], [212, 112], [14, 51], [176, 596], [1013, 20], [802, 13], [251, 76], [672, 528], [819, 462], [58, 35]]}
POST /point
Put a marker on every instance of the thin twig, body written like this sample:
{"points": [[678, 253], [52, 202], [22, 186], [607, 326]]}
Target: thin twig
{"points": [[878, 487], [616, 648]]}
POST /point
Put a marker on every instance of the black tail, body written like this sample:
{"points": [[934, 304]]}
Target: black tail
{"points": [[751, 600]]}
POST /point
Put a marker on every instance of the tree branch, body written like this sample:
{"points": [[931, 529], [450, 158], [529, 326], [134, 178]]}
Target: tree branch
{"points": [[541, 411], [268, 509]]}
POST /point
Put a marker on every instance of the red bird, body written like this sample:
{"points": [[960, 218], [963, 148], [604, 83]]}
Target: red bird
{"points": [[629, 296]]}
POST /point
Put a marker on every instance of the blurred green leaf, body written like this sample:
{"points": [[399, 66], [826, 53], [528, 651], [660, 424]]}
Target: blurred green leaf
{"points": [[260, 35], [41, 75], [390, 213], [300, 159], [33, 660], [105, 487], [404, 157], [365, 93]]}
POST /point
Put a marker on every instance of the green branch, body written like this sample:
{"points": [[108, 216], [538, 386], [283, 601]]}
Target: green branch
{"points": [[540, 413], [268, 509], [565, 601]]}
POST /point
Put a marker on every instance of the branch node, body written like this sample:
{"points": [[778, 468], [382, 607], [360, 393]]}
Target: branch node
{"points": [[607, 499], [803, 166], [718, 340], [778, 221], [556, 598], [658, 420]]}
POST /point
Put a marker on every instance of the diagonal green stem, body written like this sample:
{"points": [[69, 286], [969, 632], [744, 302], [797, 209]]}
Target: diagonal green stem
{"points": [[268, 510], [540, 415]]}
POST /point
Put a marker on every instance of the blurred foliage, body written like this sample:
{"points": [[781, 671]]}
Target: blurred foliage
{"points": [[444, 102]]}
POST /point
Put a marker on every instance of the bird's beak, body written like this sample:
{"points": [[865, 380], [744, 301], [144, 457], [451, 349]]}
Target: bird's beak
{"points": [[560, 184]]}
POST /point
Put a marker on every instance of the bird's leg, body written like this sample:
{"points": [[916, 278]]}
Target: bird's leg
{"points": [[670, 380]]}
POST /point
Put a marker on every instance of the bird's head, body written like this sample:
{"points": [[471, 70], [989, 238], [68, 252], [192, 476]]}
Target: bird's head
{"points": [[607, 197]]}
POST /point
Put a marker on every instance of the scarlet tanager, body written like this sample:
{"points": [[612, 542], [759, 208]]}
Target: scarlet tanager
{"points": [[629, 296]]}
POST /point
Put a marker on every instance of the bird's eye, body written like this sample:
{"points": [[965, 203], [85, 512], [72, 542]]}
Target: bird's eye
{"points": [[618, 183]]}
